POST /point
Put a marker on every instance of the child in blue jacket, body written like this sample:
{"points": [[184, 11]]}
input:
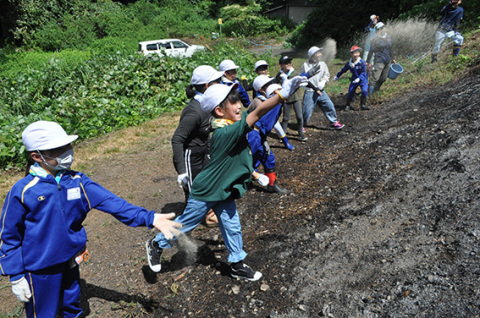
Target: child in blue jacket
{"points": [[41, 231], [358, 68], [230, 78], [257, 138]]}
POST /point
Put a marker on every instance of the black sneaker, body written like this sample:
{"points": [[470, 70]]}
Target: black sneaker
{"points": [[154, 255], [244, 272], [301, 136]]}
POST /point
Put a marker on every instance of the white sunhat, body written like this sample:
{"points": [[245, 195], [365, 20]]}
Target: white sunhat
{"points": [[313, 50], [205, 74], [373, 16], [260, 63], [272, 88], [260, 81], [228, 65], [45, 135], [214, 95]]}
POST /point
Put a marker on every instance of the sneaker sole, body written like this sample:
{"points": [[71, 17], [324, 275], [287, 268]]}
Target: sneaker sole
{"points": [[154, 268], [256, 277]]}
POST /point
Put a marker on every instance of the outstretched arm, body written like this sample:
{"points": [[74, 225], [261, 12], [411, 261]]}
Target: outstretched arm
{"points": [[288, 88]]}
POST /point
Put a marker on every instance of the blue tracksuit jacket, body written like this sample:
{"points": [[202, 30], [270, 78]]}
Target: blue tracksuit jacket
{"points": [[358, 70], [257, 138], [42, 220], [243, 93]]}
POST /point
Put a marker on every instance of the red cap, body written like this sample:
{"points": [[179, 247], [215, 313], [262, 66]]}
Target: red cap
{"points": [[355, 48]]}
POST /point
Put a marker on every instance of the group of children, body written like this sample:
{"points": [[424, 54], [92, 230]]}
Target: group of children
{"points": [[217, 149]]}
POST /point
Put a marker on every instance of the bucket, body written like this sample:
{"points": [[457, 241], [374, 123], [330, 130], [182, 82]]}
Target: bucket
{"points": [[395, 70]]}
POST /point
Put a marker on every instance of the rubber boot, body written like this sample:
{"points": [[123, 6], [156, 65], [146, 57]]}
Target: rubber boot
{"points": [[434, 58], [456, 50], [287, 144], [363, 100], [272, 185], [347, 105]]}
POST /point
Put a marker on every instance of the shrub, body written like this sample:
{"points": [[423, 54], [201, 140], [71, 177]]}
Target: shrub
{"points": [[91, 94]]}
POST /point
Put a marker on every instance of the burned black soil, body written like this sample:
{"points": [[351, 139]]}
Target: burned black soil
{"points": [[381, 220]]}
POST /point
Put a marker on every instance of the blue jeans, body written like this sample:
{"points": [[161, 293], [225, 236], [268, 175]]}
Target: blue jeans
{"points": [[228, 220], [310, 99]]}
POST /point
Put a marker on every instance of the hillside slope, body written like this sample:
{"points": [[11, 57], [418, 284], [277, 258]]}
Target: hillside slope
{"points": [[381, 221]]}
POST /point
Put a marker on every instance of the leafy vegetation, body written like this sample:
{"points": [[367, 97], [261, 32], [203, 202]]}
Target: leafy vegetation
{"points": [[95, 94]]}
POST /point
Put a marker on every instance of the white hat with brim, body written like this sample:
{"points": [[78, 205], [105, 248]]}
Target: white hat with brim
{"points": [[228, 65], [45, 135], [260, 81], [313, 50], [215, 95], [373, 16], [260, 63], [205, 74], [272, 88]]}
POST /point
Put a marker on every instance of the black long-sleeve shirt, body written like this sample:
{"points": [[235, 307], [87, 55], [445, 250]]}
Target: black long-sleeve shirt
{"points": [[192, 133]]}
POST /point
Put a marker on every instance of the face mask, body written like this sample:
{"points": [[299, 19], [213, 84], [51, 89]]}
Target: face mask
{"points": [[64, 161]]}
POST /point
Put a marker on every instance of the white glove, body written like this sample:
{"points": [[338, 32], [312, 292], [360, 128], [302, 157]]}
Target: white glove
{"points": [[21, 289], [335, 78], [182, 180], [283, 76], [263, 180], [164, 224], [356, 80], [290, 86]]}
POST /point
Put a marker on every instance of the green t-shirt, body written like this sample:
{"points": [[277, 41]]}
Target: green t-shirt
{"points": [[229, 171]]}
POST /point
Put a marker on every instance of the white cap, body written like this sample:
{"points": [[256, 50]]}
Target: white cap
{"points": [[45, 135], [313, 50], [373, 16], [379, 25], [205, 74], [272, 88], [260, 81], [260, 63], [214, 95], [228, 65]]}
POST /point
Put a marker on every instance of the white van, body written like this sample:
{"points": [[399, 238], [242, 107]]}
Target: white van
{"points": [[169, 47]]}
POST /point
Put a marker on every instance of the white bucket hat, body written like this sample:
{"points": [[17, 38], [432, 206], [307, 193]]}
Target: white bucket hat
{"points": [[205, 74], [214, 95], [228, 65], [260, 63], [313, 50], [45, 135], [272, 88], [260, 81]]}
